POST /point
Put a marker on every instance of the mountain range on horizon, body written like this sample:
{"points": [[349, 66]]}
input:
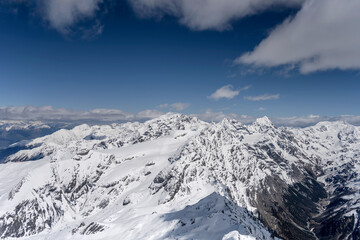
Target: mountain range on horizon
{"points": [[177, 177]]}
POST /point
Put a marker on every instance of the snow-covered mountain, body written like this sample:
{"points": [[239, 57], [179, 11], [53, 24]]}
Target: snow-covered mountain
{"points": [[176, 177], [19, 132], [13, 131]]}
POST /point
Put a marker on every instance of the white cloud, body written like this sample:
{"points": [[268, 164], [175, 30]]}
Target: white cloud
{"points": [[245, 88], [206, 14], [195, 14], [179, 106], [107, 114], [226, 91], [261, 109], [63, 14], [264, 97], [148, 114], [323, 35], [165, 105]]}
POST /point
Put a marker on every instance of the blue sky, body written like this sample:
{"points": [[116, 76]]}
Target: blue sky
{"points": [[135, 63]]}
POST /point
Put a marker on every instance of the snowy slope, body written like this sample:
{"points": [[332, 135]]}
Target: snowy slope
{"points": [[176, 177]]}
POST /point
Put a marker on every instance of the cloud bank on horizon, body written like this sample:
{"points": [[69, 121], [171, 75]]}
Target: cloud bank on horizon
{"points": [[50, 114], [323, 34]]}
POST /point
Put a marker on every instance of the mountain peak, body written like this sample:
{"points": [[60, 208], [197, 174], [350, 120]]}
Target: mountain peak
{"points": [[170, 115], [229, 122], [264, 121]]}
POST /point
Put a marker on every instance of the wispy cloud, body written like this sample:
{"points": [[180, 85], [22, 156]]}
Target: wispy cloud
{"points": [[197, 15], [179, 106], [245, 88], [148, 114], [165, 105], [64, 14], [263, 97], [206, 14], [226, 91], [323, 35]]}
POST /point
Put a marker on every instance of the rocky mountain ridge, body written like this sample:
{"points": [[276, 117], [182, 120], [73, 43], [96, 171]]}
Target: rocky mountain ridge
{"points": [[188, 177]]}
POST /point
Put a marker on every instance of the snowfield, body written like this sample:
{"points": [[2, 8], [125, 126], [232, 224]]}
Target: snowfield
{"points": [[176, 177]]}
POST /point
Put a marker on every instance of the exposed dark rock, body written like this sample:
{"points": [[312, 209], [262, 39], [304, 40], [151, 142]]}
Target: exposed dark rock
{"points": [[93, 228]]}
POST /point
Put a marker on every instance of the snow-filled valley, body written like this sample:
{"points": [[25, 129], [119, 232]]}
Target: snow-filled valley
{"points": [[176, 177]]}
